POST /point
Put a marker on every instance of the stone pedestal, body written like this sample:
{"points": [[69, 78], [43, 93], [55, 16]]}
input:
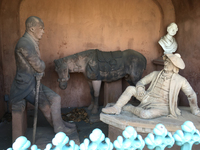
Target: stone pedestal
{"points": [[19, 119], [125, 119], [112, 91], [19, 123], [117, 124]]}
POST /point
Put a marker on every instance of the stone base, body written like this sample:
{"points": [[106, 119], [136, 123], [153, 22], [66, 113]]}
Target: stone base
{"points": [[117, 124], [19, 124], [125, 119]]}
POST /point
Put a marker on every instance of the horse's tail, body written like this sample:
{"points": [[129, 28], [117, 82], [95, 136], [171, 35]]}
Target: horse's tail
{"points": [[140, 55], [143, 60]]}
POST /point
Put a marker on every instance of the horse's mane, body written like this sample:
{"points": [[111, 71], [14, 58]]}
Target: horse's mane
{"points": [[58, 62], [63, 61]]}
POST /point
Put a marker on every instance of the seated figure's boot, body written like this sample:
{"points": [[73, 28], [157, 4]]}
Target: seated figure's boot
{"points": [[112, 110], [123, 99], [96, 105], [58, 123]]}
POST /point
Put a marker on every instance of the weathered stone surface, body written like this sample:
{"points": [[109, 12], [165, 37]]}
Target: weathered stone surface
{"points": [[125, 119]]}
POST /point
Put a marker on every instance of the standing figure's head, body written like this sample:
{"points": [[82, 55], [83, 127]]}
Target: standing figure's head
{"points": [[173, 62], [35, 27], [172, 29]]}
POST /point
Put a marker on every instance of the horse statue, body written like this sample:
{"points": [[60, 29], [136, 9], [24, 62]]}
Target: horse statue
{"points": [[98, 66]]}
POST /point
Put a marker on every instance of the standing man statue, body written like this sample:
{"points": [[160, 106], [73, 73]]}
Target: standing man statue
{"points": [[161, 97], [28, 65]]}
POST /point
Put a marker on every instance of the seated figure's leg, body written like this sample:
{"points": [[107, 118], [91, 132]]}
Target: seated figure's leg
{"points": [[149, 113], [128, 107], [123, 99]]}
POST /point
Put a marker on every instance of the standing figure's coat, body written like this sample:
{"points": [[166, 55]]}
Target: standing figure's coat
{"points": [[28, 63]]}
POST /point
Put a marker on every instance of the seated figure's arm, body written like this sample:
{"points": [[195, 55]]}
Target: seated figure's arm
{"points": [[146, 80], [140, 86], [192, 97]]}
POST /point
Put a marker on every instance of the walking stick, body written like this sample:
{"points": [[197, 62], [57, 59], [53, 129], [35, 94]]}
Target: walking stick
{"points": [[38, 77]]}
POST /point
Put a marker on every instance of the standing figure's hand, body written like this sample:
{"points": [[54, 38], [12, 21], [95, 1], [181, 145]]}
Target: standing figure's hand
{"points": [[39, 76]]}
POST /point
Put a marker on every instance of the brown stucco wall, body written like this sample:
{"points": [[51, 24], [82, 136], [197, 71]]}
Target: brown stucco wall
{"points": [[2, 103], [188, 20], [73, 26], [9, 28]]}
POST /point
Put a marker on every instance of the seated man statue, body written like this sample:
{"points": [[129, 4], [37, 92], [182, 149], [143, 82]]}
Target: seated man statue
{"points": [[29, 65], [168, 42], [161, 97]]}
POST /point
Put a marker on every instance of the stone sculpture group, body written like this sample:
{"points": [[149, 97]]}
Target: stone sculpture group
{"points": [[159, 100], [161, 97]]}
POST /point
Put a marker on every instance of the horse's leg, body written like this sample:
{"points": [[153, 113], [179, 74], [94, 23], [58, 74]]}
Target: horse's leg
{"points": [[92, 94], [96, 86]]}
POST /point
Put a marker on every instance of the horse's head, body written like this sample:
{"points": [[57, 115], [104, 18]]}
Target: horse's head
{"points": [[63, 73]]}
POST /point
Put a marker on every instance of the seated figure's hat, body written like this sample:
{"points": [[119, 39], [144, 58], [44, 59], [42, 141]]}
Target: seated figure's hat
{"points": [[176, 60]]}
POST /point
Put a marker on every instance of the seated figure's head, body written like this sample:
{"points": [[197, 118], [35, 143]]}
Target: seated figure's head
{"points": [[172, 29], [173, 62], [35, 27]]}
